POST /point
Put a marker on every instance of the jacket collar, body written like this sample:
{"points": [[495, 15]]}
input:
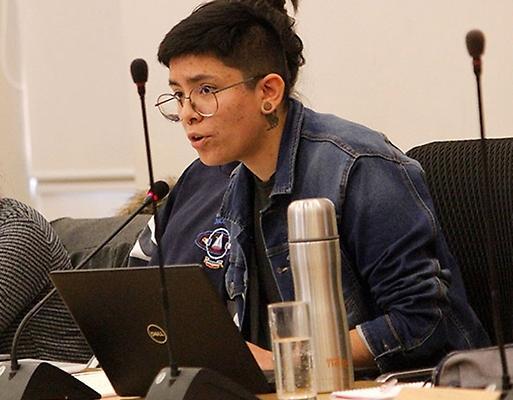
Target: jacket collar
{"points": [[284, 175], [239, 194]]}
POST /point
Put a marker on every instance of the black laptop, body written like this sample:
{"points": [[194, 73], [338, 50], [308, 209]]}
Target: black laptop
{"points": [[120, 314]]}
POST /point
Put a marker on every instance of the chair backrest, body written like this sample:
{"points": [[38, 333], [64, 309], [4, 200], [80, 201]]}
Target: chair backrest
{"points": [[453, 171], [80, 236]]}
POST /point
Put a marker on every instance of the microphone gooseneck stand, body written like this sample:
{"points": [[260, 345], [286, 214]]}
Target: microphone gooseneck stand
{"points": [[37, 380], [173, 382], [139, 71], [475, 45]]}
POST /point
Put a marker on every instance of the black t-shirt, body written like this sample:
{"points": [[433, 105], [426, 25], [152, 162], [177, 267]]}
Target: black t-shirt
{"points": [[262, 287]]}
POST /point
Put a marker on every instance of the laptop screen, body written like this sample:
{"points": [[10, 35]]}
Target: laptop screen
{"points": [[119, 312]]}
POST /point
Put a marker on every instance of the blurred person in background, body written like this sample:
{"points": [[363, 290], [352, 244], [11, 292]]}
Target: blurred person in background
{"points": [[29, 250]]}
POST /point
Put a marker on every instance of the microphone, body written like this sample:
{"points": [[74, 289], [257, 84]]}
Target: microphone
{"points": [[35, 380], [173, 382], [139, 71], [475, 45]]}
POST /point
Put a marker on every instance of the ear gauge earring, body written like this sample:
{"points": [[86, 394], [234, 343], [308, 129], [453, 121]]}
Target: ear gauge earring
{"points": [[267, 107], [270, 116]]}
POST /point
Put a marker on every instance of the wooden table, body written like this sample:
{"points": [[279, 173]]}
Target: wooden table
{"points": [[325, 396], [262, 397], [272, 396]]}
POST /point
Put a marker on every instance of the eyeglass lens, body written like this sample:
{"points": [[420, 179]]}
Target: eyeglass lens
{"points": [[203, 101]]}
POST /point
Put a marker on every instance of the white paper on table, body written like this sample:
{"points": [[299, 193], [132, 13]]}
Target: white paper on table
{"points": [[98, 381], [383, 392], [69, 367]]}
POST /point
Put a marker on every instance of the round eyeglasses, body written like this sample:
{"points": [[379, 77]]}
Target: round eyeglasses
{"points": [[203, 100]]}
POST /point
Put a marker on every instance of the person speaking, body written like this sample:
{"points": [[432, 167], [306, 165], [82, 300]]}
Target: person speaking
{"points": [[232, 66]]}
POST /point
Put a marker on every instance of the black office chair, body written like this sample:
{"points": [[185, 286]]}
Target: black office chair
{"points": [[453, 170], [80, 236]]}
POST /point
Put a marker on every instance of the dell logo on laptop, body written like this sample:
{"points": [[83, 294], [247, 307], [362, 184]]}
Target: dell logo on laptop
{"points": [[156, 333]]}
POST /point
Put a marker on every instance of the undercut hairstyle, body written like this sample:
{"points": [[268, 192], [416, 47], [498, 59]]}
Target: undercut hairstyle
{"points": [[256, 37]]}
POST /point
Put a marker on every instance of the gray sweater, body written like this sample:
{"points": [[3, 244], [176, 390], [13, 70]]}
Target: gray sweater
{"points": [[29, 249]]}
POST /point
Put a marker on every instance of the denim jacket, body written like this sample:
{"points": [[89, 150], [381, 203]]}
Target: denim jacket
{"points": [[402, 288]]}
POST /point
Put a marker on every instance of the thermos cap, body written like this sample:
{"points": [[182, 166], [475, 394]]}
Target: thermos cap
{"points": [[312, 219]]}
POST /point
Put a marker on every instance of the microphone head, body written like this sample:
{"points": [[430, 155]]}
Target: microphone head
{"points": [[139, 71], [159, 190], [475, 43]]}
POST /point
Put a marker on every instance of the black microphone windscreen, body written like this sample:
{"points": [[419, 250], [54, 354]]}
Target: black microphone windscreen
{"points": [[139, 70], [475, 43], [159, 190]]}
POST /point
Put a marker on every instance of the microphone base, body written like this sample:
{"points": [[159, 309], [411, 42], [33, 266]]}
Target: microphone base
{"points": [[196, 384], [41, 381]]}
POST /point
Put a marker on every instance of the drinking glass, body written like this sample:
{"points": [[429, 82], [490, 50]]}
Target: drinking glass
{"points": [[289, 323]]}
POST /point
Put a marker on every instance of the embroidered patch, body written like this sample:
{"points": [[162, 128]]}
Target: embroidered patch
{"points": [[216, 244], [212, 264]]}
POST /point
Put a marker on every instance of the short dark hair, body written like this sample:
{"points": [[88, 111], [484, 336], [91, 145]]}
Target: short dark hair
{"points": [[257, 37]]}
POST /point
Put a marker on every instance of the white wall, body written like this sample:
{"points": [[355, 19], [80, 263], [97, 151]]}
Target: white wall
{"points": [[13, 163], [74, 70], [399, 66]]}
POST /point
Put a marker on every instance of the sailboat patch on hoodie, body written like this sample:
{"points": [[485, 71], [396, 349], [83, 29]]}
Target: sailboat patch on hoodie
{"points": [[216, 244]]}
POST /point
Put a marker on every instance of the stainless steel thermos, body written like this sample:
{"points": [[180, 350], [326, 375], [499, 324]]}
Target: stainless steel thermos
{"points": [[316, 269]]}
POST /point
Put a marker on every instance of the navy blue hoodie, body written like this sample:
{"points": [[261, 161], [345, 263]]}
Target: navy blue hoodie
{"points": [[191, 232]]}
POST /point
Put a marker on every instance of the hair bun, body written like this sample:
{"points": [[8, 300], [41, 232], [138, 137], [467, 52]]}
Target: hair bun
{"points": [[280, 5]]}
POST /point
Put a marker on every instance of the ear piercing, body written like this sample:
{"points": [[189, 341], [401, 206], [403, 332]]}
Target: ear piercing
{"points": [[270, 115]]}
